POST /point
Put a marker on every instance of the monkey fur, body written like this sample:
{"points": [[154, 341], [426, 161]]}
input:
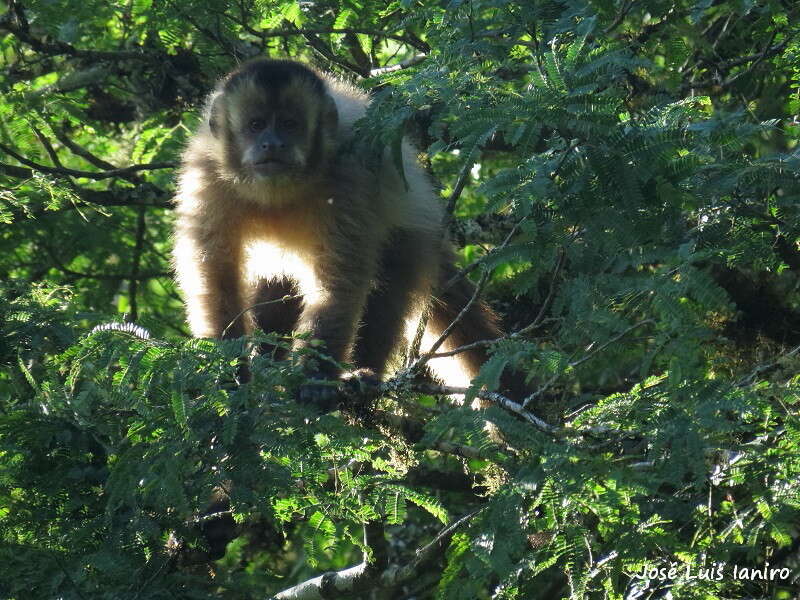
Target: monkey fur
{"points": [[273, 200]]}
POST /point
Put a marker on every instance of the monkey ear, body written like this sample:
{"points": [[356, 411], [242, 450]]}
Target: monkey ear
{"points": [[214, 112], [329, 115]]}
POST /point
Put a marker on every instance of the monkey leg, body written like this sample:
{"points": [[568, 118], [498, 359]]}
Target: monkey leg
{"points": [[331, 316], [382, 327], [217, 308], [404, 277], [477, 324], [271, 313], [207, 266]]}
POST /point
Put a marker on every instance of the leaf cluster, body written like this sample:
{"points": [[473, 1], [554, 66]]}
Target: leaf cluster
{"points": [[631, 201]]}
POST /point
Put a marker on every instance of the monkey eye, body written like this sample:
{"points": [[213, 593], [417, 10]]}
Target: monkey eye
{"points": [[257, 124]]}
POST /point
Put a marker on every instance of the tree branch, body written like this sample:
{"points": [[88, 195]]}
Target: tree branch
{"points": [[16, 172], [100, 276], [73, 81], [16, 23], [497, 399], [583, 359], [755, 59], [404, 64], [78, 150], [516, 334], [358, 579], [330, 55], [111, 173], [136, 264], [415, 43]]}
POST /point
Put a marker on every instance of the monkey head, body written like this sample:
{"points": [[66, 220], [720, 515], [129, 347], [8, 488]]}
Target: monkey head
{"points": [[275, 121]]}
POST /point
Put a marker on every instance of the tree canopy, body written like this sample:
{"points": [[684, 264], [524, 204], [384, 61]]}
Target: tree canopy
{"points": [[621, 179]]}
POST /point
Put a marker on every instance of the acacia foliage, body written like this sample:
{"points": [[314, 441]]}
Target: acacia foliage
{"points": [[632, 193]]}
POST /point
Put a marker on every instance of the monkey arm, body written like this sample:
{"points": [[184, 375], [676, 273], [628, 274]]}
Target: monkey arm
{"points": [[208, 272], [331, 312], [332, 318], [407, 271], [344, 265]]}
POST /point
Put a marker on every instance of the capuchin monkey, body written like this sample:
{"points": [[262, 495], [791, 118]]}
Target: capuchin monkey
{"points": [[274, 199]]}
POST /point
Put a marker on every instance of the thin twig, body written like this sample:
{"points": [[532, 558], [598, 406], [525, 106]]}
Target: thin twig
{"points": [[413, 350], [583, 359], [466, 270], [242, 312], [613, 340], [766, 367], [520, 332], [451, 327]]}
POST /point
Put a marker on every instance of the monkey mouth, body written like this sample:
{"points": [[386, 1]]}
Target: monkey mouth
{"points": [[269, 161], [270, 166]]}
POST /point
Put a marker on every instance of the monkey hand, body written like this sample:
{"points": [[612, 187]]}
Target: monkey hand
{"points": [[321, 392], [361, 382], [359, 385]]}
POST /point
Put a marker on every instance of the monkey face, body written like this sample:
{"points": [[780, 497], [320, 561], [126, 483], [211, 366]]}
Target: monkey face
{"points": [[277, 121], [273, 143]]}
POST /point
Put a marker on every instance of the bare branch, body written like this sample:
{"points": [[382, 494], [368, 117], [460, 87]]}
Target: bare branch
{"points": [[460, 450], [48, 147], [583, 359], [411, 41], [74, 81], [14, 171], [497, 399], [404, 64], [318, 45], [359, 579], [613, 340], [111, 173], [755, 59], [762, 368], [78, 150]]}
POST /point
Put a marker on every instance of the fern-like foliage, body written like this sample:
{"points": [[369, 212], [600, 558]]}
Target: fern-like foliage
{"points": [[631, 197]]}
